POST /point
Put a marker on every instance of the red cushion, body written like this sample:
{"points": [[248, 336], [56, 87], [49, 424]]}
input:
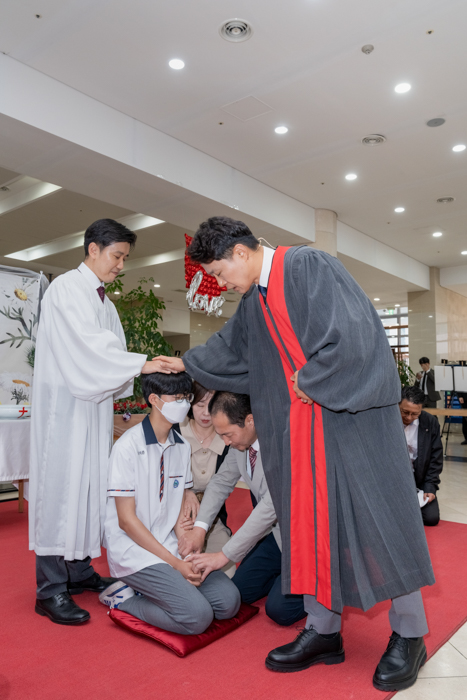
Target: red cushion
{"points": [[184, 644]]}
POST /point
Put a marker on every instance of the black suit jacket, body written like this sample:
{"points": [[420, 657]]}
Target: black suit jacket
{"points": [[429, 463], [433, 395]]}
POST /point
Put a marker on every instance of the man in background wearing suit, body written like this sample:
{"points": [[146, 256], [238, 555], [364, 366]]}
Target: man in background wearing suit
{"points": [[425, 449], [426, 382], [257, 544]]}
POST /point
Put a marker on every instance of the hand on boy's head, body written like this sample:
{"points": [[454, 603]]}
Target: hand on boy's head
{"points": [[170, 364]]}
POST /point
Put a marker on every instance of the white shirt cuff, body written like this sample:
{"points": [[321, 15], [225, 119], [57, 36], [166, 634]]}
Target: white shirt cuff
{"points": [[198, 523]]}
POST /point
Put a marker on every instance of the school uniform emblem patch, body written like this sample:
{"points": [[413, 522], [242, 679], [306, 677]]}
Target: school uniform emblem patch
{"points": [[176, 483]]}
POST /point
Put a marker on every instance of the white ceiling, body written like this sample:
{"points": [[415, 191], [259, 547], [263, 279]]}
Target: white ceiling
{"points": [[304, 61]]}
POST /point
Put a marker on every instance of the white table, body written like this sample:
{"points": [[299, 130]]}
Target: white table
{"points": [[14, 452]]}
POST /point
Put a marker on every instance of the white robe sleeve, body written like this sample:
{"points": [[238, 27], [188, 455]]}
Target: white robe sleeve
{"points": [[92, 360], [128, 388]]}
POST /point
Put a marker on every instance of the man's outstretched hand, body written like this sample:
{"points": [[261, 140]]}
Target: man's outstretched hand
{"points": [[206, 563], [170, 365], [191, 541]]}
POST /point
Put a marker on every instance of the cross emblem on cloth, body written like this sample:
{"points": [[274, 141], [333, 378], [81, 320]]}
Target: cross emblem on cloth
{"points": [[161, 488], [101, 292], [253, 453]]}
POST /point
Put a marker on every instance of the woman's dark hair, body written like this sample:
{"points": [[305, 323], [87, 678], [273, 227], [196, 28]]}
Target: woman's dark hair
{"points": [[217, 237], [169, 384], [199, 393], [235, 406], [424, 361], [104, 232], [413, 394]]}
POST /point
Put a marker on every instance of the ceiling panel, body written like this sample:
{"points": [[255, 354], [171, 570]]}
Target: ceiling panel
{"points": [[6, 176], [51, 217]]}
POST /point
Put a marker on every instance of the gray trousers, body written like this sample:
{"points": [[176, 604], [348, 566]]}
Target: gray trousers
{"points": [[53, 574], [168, 601], [406, 616]]}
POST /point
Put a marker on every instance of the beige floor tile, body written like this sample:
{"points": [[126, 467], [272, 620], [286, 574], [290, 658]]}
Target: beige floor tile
{"points": [[447, 662], [436, 689], [459, 640]]}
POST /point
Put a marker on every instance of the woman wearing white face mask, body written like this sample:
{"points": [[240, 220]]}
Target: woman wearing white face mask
{"points": [[208, 451]]}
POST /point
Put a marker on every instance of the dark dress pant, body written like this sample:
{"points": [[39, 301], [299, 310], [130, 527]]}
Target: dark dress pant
{"points": [[259, 575], [53, 574], [430, 513]]}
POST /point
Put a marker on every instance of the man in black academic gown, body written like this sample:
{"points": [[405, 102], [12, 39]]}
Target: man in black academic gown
{"points": [[308, 346]]}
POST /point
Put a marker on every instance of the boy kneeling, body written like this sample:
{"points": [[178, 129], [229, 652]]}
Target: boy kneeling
{"points": [[150, 467]]}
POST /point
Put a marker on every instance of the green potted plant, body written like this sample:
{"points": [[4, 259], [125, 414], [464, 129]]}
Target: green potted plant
{"points": [[406, 374], [140, 313]]}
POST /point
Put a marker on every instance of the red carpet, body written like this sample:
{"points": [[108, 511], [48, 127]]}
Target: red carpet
{"points": [[99, 661]]}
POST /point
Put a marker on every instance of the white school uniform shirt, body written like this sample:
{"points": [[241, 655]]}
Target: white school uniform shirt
{"points": [[81, 367], [134, 471], [411, 436]]}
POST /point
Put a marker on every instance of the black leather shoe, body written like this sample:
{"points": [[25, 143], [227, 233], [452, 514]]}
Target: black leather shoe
{"points": [[94, 583], [60, 608], [309, 648], [400, 663]]}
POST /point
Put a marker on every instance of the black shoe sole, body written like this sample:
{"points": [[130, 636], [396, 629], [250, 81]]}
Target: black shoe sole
{"points": [[399, 685], [42, 612], [327, 659], [77, 591]]}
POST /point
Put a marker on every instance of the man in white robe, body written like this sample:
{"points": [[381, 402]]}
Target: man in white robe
{"points": [[81, 367]]}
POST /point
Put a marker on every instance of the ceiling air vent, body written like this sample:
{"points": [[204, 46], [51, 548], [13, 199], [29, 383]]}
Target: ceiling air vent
{"points": [[445, 200], [373, 140], [235, 30]]}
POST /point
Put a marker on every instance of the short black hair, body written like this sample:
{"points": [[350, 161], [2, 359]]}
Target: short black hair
{"points": [[216, 238], [413, 394], [169, 384], [235, 406], [104, 232], [424, 361]]}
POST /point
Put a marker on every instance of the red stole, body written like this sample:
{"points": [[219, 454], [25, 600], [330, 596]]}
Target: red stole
{"points": [[310, 558]]}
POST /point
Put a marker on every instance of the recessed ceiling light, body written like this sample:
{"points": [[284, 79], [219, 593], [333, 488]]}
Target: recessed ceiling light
{"points": [[157, 285], [430, 316], [399, 210], [281, 129], [176, 64], [437, 234], [397, 305], [464, 252], [376, 299], [199, 324], [403, 87], [351, 176], [460, 147], [116, 292]]}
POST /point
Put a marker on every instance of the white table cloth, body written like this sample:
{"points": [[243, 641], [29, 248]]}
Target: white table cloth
{"points": [[14, 449]]}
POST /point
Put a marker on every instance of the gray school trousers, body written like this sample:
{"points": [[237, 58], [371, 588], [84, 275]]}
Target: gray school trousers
{"points": [[168, 601], [406, 616]]}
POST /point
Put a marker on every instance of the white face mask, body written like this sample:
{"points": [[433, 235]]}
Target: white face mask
{"points": [[175, 411]]}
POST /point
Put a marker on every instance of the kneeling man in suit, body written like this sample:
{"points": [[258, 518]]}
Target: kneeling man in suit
{"points": [[425, 449], [257, 544]]}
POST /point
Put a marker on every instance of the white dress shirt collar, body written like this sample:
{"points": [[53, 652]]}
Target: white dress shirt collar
{"points": [[92, 278], [268, 254], [255, 445]]}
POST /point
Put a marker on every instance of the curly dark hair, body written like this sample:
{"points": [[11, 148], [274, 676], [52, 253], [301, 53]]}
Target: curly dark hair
{"points": [[216, 238]]}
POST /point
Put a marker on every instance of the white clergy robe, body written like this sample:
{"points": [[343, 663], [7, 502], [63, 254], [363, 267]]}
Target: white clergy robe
{"points": [[81, 366]]}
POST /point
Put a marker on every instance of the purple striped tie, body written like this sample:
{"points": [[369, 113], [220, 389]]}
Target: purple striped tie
{"points": [[252, 454], [101, 292], [161, 489]]}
